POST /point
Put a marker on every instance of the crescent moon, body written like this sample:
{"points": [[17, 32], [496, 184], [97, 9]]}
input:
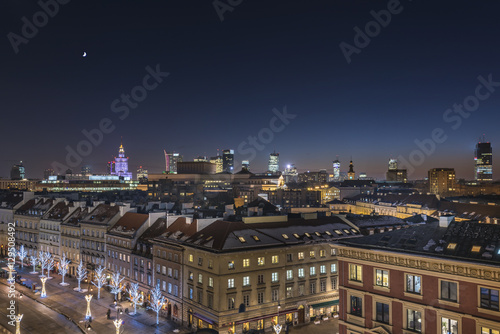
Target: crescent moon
{"points": [[85, 54]]}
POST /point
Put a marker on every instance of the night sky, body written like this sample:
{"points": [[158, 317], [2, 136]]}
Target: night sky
{"points": [[226, 77]]}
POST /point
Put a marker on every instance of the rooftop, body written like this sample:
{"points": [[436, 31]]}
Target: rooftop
{"points": [[465, 240]]}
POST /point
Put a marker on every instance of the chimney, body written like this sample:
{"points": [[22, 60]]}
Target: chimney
{"points": [[444, 221]]}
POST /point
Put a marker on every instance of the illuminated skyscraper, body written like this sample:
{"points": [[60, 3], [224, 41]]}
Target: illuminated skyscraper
{"points": [[291, 174], [217, 160], [171, 160], [484, 162], [336, 170], [245, 164], [121, 164], [228, 161], [142, 175], [393, 164], [86, 170], [274, 162], [442, 181], [17, 172]]}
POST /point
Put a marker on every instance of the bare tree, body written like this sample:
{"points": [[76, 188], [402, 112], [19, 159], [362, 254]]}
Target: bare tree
{"points": [[50, 264], [63, 268], [115, 285], [22, 253], [33, 261], [81, 274], [134, 296], [42, 258], [157, 301], [99, 280]]}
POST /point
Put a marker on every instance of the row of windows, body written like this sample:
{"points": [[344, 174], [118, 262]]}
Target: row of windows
{"points": [[261, 294], [168, 271], [489, 298], [171, 257]]}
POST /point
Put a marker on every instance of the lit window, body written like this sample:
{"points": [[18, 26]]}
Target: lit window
{"points": [[191, 258], [230, 265], [230, 283], [246, 263], [318, 234], [476, 249], [289, 274], [307, 235], [355, 272], [312, 254], [242, 240], [274, 259], [382, 278], [300, 255], [256, 238], [322, 253], [246, 281], [312, 271], [260, 261], [284, 236], [301, 273], [328, 233], [296, 235], [274, 277], [338, 232], [322, 269], [452, 246]]}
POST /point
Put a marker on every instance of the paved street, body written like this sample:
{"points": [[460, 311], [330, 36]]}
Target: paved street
{"points": [[36, 316], [51, 314], [66, 301]]}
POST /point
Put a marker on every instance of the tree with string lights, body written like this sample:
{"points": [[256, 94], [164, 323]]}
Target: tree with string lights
{"points": [[157, 301], [99, 280], [115, 283], [81, 274], [134, 296], [21, 254], [63, 268], [33, 261], [50, 264]]}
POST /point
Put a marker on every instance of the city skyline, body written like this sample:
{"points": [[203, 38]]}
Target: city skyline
{"points": [[372, 104]]}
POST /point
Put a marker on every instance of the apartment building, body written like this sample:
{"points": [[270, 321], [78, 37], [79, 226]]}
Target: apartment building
{"points": [[70, 237], [441, 277], [239, 276]]}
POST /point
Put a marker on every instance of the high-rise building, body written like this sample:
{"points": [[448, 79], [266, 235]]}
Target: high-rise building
{"points": [[245, 164], [336, 170], [394, 174], [393, 164], [171, 160], [17, 172], [48, 172], [484, 162], [442, 181], [228, 161], [121, 164], [110, 167], [142, 174], [351, 175], [86, 170], [217, 160], [290, 174], [274, 162]]}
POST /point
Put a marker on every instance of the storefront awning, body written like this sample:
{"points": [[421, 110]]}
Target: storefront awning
{"points": [[202, 317], [325, 304]]}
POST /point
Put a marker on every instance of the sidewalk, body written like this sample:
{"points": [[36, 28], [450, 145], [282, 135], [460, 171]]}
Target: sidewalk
{"points": [[72, 304]]}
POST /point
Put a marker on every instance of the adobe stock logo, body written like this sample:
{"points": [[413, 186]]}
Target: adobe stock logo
{"points": [[362, 39], [453, 116], [29, 29], [119, 106]]}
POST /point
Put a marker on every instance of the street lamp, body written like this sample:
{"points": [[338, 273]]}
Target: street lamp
{"points": [[43, 293], [277, 326], [88, 298], [19, 316], [117, 322]]}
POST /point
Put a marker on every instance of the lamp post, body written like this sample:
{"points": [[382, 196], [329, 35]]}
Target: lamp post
{"points": [[277, 327], [19, 316], [88, 298], [43, 294], [117, 322]]}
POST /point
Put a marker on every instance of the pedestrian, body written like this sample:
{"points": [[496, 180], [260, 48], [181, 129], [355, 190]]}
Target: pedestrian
{"points": [[108, 314]]}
